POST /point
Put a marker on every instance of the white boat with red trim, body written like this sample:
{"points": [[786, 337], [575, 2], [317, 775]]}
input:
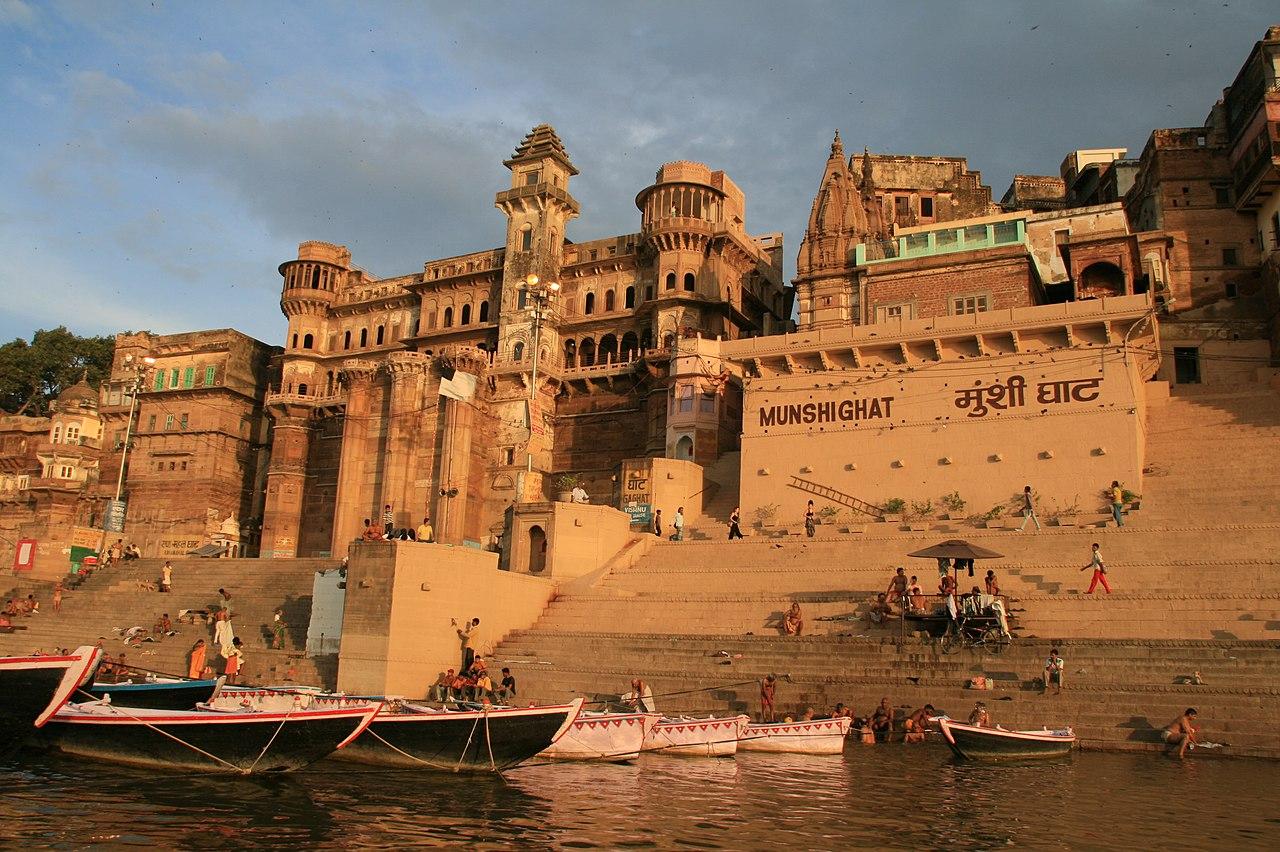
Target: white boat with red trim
{"points": [[975, 743], [808, 736], [709, 737], [236, 742], [33, 688], [603, 737]]}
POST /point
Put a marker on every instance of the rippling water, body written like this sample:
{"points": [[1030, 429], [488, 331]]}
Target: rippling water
{"points": [[882, 796]]}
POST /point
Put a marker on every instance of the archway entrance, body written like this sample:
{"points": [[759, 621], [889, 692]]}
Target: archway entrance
{"points": [[537, 550], [1099, 280], [684, 448]]}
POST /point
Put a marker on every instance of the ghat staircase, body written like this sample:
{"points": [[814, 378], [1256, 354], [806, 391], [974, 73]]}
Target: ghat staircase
{"points": [[118, 598], [1196, 589]]}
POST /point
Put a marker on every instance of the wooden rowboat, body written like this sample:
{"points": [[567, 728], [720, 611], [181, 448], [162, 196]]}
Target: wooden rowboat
{"points": [[205, 740], [162, 694], [814, 736], [603, 737], [32, 689], [975, 743], [709, 737]]}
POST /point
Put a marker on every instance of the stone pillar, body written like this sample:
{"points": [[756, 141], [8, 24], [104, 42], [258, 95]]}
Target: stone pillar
{"points": [[409, 375], [286, 479], [351, 502], [455, 449]]}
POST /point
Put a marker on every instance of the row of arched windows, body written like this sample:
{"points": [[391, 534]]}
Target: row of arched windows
{"points": [[609, 350], [464, 317], [690, 281], [589, 303], [308, 341]]}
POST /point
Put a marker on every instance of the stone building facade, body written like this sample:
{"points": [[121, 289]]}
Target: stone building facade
{"points": [[419, 391], [198, 456]]}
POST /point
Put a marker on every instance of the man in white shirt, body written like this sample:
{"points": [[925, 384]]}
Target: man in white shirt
{"points": [[678, 524], [640, 697], [578, 495]]}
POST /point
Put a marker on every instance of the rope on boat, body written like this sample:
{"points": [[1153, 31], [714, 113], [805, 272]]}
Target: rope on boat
{"points": [[369, 730], [463, 756], [492, 764], [263, 753], [178, 740]]}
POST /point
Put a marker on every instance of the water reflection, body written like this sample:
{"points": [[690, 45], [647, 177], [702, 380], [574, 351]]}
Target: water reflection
{"points": [[882, 796]]}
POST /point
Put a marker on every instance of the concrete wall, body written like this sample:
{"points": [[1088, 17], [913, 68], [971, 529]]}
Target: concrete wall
{"points": [[580, 537], [907, 435], [396, 635]]}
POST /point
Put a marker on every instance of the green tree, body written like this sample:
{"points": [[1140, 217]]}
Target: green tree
{"points": [[32, 374]]}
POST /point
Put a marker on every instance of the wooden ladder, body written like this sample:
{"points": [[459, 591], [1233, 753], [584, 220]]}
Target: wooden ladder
{"points": [[835, 496]]}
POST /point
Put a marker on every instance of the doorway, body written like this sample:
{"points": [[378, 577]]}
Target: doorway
{"points": [[537, 550], [1186, 365], [684, 448]]}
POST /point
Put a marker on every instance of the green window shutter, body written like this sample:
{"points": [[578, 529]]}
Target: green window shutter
{"points": [[173, 378], [208, 376], [159, 380], [168, 422], [188, 377]]}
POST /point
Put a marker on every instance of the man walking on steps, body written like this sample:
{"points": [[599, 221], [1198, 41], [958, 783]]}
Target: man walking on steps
{"points": [[1099, 571], [1028, 510]]}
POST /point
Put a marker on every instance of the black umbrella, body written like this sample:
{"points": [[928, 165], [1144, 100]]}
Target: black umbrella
{"points": [[956, 549]]}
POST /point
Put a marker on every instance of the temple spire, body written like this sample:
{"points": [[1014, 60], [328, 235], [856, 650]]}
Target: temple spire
{"points": [[837, 147]]}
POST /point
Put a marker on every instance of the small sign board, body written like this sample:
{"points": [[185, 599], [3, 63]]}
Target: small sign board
{"points": [[113, 519], [641, 513]]}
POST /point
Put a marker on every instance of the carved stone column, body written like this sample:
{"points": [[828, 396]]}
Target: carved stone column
{"points": [[455, 455], [352, 502], [286, 479], [410, 373]]}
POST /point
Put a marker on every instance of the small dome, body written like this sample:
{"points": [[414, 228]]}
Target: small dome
{"points": [[77, 394]]}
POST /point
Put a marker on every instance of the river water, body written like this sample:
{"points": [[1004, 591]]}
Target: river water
{"points": [[886, 796]]}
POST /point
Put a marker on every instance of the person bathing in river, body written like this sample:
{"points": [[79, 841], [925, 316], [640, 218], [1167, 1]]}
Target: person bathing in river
{"points": [[882, 721], [793, 621], [640, 697], [768, 687], [915, 725], [1182, 732]]}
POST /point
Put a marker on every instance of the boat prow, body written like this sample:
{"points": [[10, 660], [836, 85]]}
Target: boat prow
{"points": [[33, 689], [602, 737], [974, 743], [812, 736]]}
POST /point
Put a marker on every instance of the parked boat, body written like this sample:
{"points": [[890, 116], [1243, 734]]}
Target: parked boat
{"points": [[603, 737], [161, 694], [204, 740], [492, 739], [709, 737], [32, 689], [975, 743], [814, 736]]}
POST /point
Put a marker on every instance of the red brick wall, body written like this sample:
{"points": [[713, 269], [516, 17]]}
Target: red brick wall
{"points": [[1008, 282]]}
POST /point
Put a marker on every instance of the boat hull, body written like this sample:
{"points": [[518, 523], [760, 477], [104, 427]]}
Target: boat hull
{"points": [[178, 695], [238, 743], [474, 740], [603, 738], [32, 689], [696, 737], [973, 743], [816, 736]]}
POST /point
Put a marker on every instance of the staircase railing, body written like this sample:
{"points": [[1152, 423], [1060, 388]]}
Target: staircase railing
{"points": [[836, 496]]}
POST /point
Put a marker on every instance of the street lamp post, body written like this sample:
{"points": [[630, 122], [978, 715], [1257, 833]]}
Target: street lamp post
{"points": [[139, 367], [541, 293]]}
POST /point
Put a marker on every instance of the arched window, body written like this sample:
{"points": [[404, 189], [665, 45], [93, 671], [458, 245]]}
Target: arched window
{"points": [[587, 352], [484, 312], [570, 353], [690, 283], [671, 281], [629, 346], [608, 351], [590, 304], [629, 299], [379, 337], [308, 342], [526, 239], [517, 352], [448, 317], [466, 315], [346, 340], [315, 278], [608, 300], [302, 390], [364, 337], [294, 345]]}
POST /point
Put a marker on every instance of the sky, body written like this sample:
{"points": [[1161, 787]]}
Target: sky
{"points": [[159, 160]]}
